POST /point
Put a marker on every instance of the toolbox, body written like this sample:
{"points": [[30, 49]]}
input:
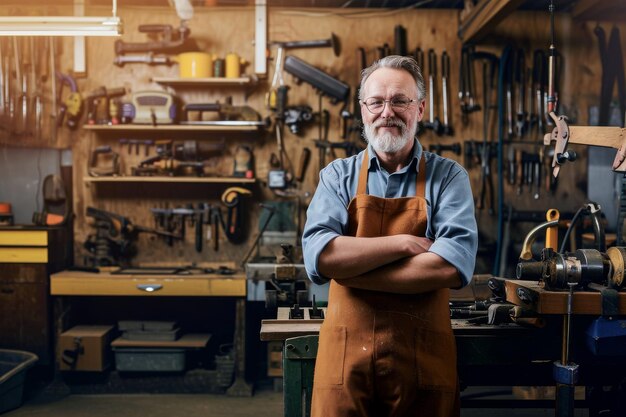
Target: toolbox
{"points": [[147, 359], [86, 348], [156, 356]]}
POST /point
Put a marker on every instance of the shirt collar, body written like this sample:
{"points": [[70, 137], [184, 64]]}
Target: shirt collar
{"points": [[375, 163]]}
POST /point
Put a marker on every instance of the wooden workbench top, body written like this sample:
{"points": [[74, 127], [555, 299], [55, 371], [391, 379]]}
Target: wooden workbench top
{"points": [[542, 301], [122, 276], [282, 327], [82, 283]]}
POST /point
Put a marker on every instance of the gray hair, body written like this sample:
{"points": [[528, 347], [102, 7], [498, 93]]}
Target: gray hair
{"points": [[396, 62]]}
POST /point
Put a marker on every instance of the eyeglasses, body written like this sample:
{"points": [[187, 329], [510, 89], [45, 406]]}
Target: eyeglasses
{"points": [[376, 105]]}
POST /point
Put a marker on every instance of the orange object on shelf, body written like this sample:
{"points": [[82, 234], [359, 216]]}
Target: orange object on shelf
{"points": [[5, 208]]}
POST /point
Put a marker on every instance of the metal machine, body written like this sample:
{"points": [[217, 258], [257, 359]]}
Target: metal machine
{"points": [[285, 280]]}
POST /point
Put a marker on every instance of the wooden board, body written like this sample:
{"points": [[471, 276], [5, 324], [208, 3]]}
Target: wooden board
{"points": [[281, 330], [21, 237], [199, 82], [170, 128], [163, 179], [425, 28], [220, 30], [555, 302], [484, 17], [79, 283], [191, 340]]}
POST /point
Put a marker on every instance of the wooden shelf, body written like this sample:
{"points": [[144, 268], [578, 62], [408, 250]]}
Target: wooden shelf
{"points": [[161, 179], [211, 81], [191, 340], [182, 128]]}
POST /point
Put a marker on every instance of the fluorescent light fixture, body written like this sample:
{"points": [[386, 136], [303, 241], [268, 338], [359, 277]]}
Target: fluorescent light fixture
{"points": [[61, 25]]}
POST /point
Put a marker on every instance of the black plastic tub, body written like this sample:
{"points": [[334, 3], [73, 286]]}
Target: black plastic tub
{"points": [[13, 367]]}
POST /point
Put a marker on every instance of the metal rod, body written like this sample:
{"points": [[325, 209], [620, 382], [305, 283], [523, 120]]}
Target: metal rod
{"points": [[570, 302], [271, 210], [551, 59], [445, 73]]}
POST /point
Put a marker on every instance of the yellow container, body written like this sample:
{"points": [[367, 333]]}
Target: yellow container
{"points": [[195, 65], [233, 65]]}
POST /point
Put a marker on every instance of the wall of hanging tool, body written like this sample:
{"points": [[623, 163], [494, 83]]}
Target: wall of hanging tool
{"points": [[290, 130]]}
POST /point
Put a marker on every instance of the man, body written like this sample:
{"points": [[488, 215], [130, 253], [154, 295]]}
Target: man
{"points": [[393, 229]]}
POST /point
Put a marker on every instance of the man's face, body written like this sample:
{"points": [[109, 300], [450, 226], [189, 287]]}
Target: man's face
{"points": [[390, 131]]}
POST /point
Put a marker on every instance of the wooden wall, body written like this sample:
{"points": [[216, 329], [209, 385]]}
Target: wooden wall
{"points": [[221, 30]]}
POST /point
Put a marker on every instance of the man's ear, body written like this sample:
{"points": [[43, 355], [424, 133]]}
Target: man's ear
{"points": [[421, 106]]}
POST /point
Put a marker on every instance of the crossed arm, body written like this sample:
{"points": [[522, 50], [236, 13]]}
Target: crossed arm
{"points": [[397, 264]]}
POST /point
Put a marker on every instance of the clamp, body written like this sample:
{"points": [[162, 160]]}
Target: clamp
{"points": [[232, 200], [561, 135], [72, 105]]}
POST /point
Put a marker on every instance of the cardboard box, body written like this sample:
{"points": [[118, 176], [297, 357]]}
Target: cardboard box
{"points": [[86, 348]]}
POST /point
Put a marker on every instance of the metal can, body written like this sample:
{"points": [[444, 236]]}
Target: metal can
{"points": [[218, 67]]}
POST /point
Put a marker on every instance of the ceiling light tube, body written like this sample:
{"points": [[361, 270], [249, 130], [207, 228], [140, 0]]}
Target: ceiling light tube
{"points": [[61, 25]]}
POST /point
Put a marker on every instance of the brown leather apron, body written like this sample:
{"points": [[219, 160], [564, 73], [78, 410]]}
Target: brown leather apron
{"points": [[383, 354]]}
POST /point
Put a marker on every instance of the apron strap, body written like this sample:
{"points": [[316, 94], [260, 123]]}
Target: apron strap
{"points": [[420, 183], [362, 187]]}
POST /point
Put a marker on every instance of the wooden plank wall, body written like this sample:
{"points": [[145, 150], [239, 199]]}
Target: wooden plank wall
{"points": [[222, 30]]}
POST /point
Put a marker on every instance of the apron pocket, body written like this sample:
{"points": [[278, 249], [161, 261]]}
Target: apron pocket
{"points": [[330, 355], [435, 360]]}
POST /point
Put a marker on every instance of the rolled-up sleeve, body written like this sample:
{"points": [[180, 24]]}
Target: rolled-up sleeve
{"points": [[326, 218], [453, 225]]}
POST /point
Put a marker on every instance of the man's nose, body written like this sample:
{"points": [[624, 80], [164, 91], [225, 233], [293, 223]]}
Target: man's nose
{"points": [[387, 110]]}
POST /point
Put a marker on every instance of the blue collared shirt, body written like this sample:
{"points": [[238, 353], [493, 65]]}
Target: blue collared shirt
{"points": [[451, 221]]}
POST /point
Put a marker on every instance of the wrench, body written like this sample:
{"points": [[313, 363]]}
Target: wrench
{"points": [[520, 80], [445, 74], [433, 121], [539, 63]]}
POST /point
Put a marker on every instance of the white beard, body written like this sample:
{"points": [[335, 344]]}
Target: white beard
{"points": [[388, 142]]}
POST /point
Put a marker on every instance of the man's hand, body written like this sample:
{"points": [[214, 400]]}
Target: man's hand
{"points": [[413, 245]]}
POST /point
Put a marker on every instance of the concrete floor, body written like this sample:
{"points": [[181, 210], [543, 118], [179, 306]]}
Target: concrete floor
{"points": [[264, 403]]}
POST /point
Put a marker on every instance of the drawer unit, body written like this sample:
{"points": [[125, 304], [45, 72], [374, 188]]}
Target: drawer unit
{"points": [[28, 255], [24, 255], [20, 237]]}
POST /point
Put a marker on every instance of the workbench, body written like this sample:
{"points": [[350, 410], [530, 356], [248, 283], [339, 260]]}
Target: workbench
{"points": [[147, 285], [487, 355]]}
